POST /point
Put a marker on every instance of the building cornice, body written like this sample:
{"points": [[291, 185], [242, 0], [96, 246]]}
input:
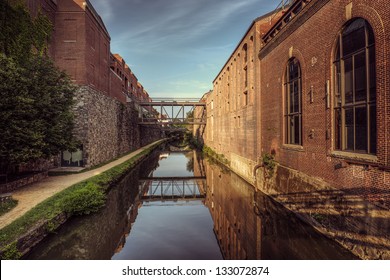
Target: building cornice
{"points": [[311, 7]]}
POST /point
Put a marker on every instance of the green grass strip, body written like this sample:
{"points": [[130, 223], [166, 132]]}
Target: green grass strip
{"points": [[82, 198]]}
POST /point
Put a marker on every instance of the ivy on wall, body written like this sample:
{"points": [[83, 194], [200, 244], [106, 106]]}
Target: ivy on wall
{"points": [[36, 98]]}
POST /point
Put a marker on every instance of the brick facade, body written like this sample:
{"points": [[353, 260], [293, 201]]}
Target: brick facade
{"points": [[106, 116], [313, 45], [82, 44], [246, 111], [232, 109], [345, 190]]}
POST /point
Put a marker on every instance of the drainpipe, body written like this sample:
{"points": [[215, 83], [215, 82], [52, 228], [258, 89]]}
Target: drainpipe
{"points": [[257, 167]]}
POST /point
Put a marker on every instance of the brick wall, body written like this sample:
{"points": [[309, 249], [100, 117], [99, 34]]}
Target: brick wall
{"points": [[82, 44], [246, 120], [233, 121], [310, 38]]}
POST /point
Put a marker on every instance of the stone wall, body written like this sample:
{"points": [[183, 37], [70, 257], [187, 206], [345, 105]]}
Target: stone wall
{"points": [[107, 128], [349, 218]]}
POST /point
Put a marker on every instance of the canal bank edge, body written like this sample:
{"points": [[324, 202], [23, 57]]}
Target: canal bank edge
{"points": [[88, 196], [357, 225]]}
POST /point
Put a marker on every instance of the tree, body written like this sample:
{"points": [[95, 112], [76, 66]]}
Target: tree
{"points": [[36, 98]]}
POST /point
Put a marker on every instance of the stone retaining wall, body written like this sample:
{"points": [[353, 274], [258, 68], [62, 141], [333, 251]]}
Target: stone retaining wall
{"points": [[17, 184], [107, 128]]}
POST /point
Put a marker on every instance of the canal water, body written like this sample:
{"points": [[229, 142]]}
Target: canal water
{"points": [[175, 205]]}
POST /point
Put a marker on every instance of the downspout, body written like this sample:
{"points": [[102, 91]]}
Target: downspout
{"points": [[257, 166]]}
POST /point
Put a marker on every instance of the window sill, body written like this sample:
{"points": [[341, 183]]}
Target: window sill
{"points": [[355, 157], [293, 147]]}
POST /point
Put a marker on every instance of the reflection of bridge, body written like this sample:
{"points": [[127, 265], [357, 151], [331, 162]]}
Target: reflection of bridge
{"points": [[173, 188], [172, 111]]}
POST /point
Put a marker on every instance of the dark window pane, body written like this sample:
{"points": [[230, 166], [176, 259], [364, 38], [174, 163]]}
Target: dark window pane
{"points": [[337, 84], [373, 130], [361, 128], [291, 130], [296, 98], [287, 131], [370, 34], [355, 115], [297, 129], [349, 129], [294, 69], [291, 95], [286, 100], [337, 129], [372, 73], [360, 77], [354, 37], [348, 81]]}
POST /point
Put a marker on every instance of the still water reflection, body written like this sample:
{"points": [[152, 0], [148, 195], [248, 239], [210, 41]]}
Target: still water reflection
{"points": [[218, 215]]}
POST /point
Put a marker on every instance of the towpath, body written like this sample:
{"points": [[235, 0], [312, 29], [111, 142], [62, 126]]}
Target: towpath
{"points": [[31, 195]]}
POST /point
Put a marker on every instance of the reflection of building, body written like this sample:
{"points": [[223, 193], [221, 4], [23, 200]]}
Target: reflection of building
{"points": [[250, 225], [310, 89]]}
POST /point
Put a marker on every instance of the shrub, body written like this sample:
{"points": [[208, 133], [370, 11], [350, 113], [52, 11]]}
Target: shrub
{"points": [[85, 200]]}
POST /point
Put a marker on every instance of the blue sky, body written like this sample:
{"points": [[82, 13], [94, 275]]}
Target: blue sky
{"points": [[177, 47]]}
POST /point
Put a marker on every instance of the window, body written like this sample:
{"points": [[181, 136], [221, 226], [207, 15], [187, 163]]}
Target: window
{"points": [[246, 98], [355, 89], [293, 102]]}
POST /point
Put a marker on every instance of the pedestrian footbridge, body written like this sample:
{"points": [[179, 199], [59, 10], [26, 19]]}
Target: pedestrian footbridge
{"points": [[172, 188], [172, 111]]}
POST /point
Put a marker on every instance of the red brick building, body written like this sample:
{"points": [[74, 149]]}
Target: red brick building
{"points": [[325, 94], [232, 108], [311, 90], [80, 45]]}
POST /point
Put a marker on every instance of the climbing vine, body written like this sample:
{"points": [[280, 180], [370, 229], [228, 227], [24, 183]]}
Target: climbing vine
{"points": [[269, 164], [22, 36], [36, 97]]}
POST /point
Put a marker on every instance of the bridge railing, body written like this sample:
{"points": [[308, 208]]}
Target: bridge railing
{"points": [[168, 111], [172, 188]]}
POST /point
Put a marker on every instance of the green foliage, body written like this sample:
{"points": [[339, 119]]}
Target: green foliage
{"points": [[7, 205], [11, 252], [192, 141], [269, 164], [82, 198], [35, 109], [218, 157], [36, 98], [22, 36], [90, 198]]}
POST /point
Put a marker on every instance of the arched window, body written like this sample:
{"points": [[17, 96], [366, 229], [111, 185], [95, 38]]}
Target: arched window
{"points": [[293, 102], [355, 89]]}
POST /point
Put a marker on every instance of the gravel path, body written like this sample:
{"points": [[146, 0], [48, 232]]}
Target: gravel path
{"points": [[33, 194]]}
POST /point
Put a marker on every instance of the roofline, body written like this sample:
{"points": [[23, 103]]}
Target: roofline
{"points": [[97, 17], [291, 7], [246, 33]]}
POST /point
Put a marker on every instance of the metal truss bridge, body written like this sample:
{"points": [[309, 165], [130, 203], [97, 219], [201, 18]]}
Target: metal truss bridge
{"points": [[169, 112], [173, 188]]}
